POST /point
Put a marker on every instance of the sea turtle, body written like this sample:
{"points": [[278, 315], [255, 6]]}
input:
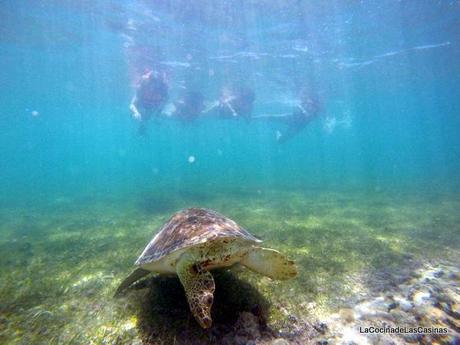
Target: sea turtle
{"points": [[196, 240]]}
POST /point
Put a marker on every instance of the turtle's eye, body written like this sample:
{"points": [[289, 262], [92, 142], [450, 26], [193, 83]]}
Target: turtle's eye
{"points": [[208, 300]]}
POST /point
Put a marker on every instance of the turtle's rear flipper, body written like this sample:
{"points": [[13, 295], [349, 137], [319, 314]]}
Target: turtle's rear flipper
{"points": [[270, 263], [133, 277]]}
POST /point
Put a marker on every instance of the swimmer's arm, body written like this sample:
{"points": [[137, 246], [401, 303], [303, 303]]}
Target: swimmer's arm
{"points": [[229, 106], [209, 107], [302, 109], [135, 112]]}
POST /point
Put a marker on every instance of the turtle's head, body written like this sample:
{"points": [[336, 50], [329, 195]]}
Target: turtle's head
{"points": [[199, 287], [202, 308]]}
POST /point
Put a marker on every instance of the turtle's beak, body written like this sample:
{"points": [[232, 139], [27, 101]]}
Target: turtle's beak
{"points": [[206, 322]]}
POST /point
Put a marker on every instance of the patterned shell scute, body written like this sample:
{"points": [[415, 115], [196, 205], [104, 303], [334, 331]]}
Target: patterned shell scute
{"points": [[188, 228]]}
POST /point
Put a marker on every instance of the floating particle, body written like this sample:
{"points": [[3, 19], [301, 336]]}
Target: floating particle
{"points": [[35, 113], [191, 159], [278, 135]]}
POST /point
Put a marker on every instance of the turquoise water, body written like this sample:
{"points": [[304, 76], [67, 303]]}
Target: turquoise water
{"points": [[77, 74], [82, 192]]}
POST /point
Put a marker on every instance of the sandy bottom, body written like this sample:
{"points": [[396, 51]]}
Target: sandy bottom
{"points": [[365, 259]]}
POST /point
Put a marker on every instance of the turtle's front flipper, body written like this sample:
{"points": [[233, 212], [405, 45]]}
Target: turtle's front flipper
{"points": [[270, 263], [199, 288], [133, 277]]}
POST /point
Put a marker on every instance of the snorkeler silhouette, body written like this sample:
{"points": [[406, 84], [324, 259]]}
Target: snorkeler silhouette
{"points": [[307, 110], [235, 102], [150, 97], [188, 107]]}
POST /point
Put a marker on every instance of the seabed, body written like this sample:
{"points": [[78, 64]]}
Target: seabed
{"points": [[364, 258]]}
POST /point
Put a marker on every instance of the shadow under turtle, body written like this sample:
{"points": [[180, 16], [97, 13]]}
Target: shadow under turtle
{"points": [[165, 318]]}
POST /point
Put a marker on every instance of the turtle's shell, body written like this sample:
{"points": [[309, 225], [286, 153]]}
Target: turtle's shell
{"points": [[190, 227]]}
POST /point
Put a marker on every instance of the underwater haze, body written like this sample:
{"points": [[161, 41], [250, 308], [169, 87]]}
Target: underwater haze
{"points": [[364, 195]]}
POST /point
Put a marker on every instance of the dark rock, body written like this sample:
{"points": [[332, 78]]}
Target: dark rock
{"points": [[435, 290], [438, 274], [392, 306], [292, 318], [43, 331], [454, 276], [322, 342], [320, 327], [289, 334]]}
